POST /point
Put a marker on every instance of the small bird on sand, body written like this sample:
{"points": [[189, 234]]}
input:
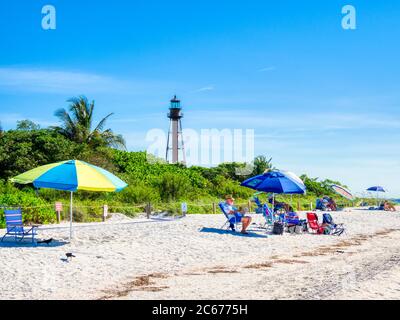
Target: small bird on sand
{"points": [[70, 255], [48, 241]]}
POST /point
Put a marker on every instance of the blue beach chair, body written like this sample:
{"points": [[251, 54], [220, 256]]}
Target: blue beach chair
{"points": [[290, 218], [15, 226], [230, 221], [336, 229], [269, 216]]}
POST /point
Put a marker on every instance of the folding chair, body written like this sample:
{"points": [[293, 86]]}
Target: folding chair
{"points": [[337, 229], [15, 226], [229, 219]]}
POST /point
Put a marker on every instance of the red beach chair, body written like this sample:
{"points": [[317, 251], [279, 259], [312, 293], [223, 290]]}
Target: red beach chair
{"points": [[314, 225]]}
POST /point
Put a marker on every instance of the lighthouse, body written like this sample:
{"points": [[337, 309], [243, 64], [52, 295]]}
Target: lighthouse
{"points": [[175, 147]]}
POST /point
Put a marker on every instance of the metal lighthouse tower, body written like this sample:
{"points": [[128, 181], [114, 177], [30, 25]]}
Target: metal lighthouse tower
{"points": [[175, 145]]}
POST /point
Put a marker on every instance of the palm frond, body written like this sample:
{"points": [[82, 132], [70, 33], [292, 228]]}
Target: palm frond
{"points": [[68, 127], [77, 125], [102, 123], [113, 140]]}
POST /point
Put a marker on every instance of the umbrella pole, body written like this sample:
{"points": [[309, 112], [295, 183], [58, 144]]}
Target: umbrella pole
{"points": [[273, 202], [291, 200], [379, 202], [70, 217]]}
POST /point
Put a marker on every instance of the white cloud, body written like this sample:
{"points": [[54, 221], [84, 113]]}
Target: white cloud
{"points": [[70, 82], [49, 81], [9, 120], [204, 89], [293, 122], [271, 68]]}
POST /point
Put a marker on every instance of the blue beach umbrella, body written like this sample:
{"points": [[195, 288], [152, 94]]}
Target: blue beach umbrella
{"points": [[377, 189], [281, 182], [276, 182]]}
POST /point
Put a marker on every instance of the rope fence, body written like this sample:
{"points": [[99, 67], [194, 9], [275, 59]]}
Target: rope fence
{"points": [[92, 213], [20, 207], [189, 204]]}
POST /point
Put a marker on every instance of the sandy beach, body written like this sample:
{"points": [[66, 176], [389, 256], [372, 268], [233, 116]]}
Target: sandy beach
{"points": [[191, 258]]}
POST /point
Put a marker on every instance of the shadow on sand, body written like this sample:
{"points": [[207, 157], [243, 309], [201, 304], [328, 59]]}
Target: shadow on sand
{"points": [[238, 234], [10, 243]]}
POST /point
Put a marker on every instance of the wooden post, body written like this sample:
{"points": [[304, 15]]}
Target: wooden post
{"points": [[148, 210], [58, 208], [184, 209], [249, 205], [105, 212], [214, 208], [298, 204]]}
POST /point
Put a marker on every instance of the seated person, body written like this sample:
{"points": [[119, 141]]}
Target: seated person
{"points": [[325, 201], [387, 206], [280, 206], [332, 205], [320, 205], [234, 213], [327, 204]]}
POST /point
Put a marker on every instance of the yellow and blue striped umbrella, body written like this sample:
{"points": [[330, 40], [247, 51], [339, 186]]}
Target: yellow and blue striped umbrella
{"points": [[72, 175]]}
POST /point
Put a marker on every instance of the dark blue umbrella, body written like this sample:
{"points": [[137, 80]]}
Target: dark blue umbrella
{"points": [[376, 189], [276, 182]]}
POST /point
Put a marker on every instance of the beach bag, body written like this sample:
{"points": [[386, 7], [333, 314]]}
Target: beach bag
{"points": [[278, 228]]}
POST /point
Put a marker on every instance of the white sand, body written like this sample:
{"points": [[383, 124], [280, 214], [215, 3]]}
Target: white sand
{"points": [[140, 259]]}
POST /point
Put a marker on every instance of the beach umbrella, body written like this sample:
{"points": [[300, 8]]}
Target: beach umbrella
{"points": [[343, 192], [71, 176], [276, 182], [281, 182], [376, 189]]}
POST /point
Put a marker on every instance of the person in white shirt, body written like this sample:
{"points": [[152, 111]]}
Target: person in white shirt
{"points": [[234, 214]]}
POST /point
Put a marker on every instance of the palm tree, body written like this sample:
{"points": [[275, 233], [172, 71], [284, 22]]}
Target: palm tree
{"points": [[77, 125], [261, 164]]}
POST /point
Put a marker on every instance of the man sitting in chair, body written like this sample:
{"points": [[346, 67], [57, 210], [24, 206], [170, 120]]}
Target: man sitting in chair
{"points": [[233, 212]]}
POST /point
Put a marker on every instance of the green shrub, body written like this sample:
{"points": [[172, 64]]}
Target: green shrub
{"points": [[139, 193], [172, 187], [35, 210]]}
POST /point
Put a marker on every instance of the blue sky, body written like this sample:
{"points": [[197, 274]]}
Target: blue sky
{"points": [[322, 100]]}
